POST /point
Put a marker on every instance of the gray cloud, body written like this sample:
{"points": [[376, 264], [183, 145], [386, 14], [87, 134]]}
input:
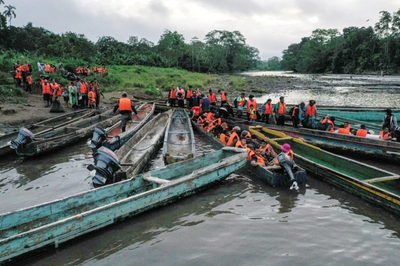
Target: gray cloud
{"points": [[269, 25]]}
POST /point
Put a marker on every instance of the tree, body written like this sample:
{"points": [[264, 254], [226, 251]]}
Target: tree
{"points": [[172, 46], [9, 13]]}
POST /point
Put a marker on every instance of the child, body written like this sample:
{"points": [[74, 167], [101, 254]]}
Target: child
{"points": [[253, 114]]}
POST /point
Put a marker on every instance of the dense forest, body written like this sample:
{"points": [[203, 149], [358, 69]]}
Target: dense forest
{"points": [[355, 50], [220, 52]]}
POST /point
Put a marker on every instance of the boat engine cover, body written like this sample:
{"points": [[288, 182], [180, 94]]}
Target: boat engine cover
{"points": [[106, 165], [99, 135], [24, 137]]}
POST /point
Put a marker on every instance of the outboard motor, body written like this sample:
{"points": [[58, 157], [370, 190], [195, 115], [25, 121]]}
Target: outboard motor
{"points": [[24, 138], [287, 164], [397, 134], [106, 168], [99, 135]]}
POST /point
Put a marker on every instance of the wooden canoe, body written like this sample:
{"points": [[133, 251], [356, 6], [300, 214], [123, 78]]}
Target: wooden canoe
{"points": [[377, 149], [179, 143], [66, 135], [371, 183], [58, 221], [375, 116], [119, 138], [45, 126], [136, 153], [274, 177]]}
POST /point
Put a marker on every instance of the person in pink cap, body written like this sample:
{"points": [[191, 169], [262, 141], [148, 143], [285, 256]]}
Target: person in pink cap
{"points": [[286, 149]]}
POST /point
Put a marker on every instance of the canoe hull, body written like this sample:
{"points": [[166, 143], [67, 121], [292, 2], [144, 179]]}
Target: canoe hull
{"points": [[63, 229], [179, 142]]}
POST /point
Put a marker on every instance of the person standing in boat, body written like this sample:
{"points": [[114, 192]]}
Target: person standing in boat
{"points": [[280, 111], [251, 102], [389, 121], [172, 96], [223, 96], [311, 114], [189, 98], [73, 95], [298, 114], [125, 107], [180, 95], [241, 101]]}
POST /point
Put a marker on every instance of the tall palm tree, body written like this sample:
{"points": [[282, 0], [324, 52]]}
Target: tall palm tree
{"points": [[9, 12]]}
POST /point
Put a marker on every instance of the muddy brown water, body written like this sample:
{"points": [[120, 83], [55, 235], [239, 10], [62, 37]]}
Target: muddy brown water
{"points": [[240, 221]]}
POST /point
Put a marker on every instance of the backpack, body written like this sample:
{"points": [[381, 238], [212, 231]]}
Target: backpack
{"points": [[235, 103]]}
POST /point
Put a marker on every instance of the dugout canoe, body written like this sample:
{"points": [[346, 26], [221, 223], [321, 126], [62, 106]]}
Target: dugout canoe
{"points": [[58, 221], [371, 116], [28, 144], [179, 142], [371, 183], [272, 176], [45, 126], [117, 138], [136, 153]]}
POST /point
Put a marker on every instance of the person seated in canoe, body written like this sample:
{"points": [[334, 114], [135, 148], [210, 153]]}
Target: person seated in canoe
{"points": [[343, 130], [195, 112], [222, 134], [234, 137], [241, 144], [267, 151], [362, 132], [286, 149], [125, 107], [256, 158], [327, 124], [385, 134]]}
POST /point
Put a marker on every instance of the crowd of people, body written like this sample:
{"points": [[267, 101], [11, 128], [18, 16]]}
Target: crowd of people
{"points": [[304, 115], [82, 70]]}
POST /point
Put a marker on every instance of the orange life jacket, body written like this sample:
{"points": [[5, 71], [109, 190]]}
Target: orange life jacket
{"points": [[125, 104], [241, 101], [53, 69], [384, 136], [92, 98], [282, 108], [223, 138], [362, 133], [294, 111], [232, 138], [100, 70], [326, 120], [223, 97], [29, 80], [209, 116], [196, 110], [46, 88], [83, 87], [172, 94], [212, 98], [189, 94], [47, 68], [26, 67], [239, 145], [311, 110], [182, 92], [94, 69], [251, 102], [267, 148], [200, 120], [18, 74], [260, 159], [345, 131], [268, 108]]}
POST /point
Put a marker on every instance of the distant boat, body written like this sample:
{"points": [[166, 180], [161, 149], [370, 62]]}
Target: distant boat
{"points": [[179, 142]]}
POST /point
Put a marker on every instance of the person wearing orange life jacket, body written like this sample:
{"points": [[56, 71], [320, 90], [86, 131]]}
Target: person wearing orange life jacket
{"points": [[52, 68], [180, 95], [298, 114], [125, 107], [362, 132], [47, 68], [251, 102], [267, 114], [18, 77], [267, 150], [343, 130], [83, 90], [234, 137], [100, 70], [222, 134], [105, 70], [311, 114], [280, 110], [92, 98], [241, 144], [46, 93], [241, 101], [210, 116], [223, 96], [172, 96], [211, 96], [94, 69], [285, 149], [29, 84], [385, 134], [327, 124], [189, 98], [195, 112], [256, 158]]}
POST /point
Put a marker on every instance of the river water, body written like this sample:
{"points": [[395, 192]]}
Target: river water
{"points": [[240, 221], [336, 90]]}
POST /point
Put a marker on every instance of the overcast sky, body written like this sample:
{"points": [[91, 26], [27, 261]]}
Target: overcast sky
{"points": [[269, 25]]}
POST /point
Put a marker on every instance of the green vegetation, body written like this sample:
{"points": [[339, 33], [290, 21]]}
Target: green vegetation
{"points": [[272, 64], [356, 50], [258, 90], [237, 83], [11, 94]]}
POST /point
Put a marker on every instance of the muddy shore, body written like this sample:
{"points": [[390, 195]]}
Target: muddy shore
{"points": [[33, 108]]}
